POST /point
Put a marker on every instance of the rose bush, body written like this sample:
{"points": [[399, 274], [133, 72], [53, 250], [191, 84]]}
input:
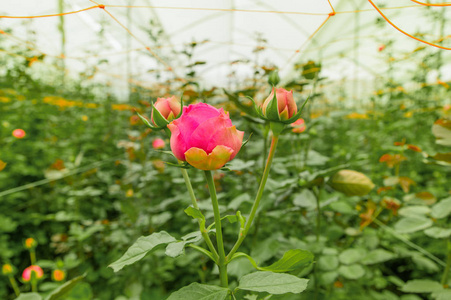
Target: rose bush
{"points": [[205, 137]]}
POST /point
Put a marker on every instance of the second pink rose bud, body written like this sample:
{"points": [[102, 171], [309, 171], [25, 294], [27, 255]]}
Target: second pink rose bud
{"points": [[169, 109]]}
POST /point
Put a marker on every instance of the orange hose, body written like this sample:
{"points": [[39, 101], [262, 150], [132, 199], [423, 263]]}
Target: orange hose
{"points": [[431, 4], [402, 31]]}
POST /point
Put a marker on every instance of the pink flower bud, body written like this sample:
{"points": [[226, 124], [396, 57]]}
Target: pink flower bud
{"points": [[26, 275], [285, 102], [205, 137], [169, 108], [19, 133], [298, 126], [158, 144]]}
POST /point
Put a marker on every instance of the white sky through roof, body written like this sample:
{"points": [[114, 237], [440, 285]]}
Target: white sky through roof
{"points": [[225, 36]]}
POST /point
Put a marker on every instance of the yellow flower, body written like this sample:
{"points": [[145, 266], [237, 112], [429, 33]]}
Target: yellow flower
{"points": [[84, 118]]}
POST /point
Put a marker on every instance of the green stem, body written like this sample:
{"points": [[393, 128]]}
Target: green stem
{"points": [[194, 202], [14, 285], [33, 256], [220, 242], [318, 216], [261, 188], [448, 266], [34, 282]]}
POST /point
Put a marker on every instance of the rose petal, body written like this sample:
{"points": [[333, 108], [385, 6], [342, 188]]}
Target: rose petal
{"points": [[229, 137], [205, 131], [178, 144], [199, 159]]}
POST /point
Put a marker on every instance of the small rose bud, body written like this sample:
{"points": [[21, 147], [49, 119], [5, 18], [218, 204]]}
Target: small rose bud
{"points": [[26, 275], [286, 106], [158, 144], [169, 109], [7, 269], [58, 275], [205, 137], [30, 243], [19, 133], [298, 126]]}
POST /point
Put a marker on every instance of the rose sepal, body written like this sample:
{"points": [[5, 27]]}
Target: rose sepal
{"points": [[160, 121]]}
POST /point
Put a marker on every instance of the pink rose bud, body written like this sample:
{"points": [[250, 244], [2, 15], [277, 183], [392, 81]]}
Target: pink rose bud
{"points": [[26, 275], [205, 137], [298, 126], [19, 133], [169, 108], [285, 103], [158, 144]]}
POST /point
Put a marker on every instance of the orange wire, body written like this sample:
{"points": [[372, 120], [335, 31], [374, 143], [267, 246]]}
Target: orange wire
{"points": [[223, 9], [431, 4], [308, 39], [140, 41], [402, 31], [52, 15], [333, 10]]}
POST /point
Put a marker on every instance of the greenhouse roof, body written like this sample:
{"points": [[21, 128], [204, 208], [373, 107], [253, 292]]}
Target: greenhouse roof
{"points": [[122, 41]]}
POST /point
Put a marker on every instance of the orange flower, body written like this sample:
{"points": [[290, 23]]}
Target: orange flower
{"points": [[58, 275], [30, 243]]}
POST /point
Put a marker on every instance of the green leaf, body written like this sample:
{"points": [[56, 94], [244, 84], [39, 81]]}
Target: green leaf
{"points": [[438, 233], [292, 260], [273, 283], [197, 291], [421, 286], [29, 296], [158, 118], [351, 183], [328, 262], [141, 247], [352, 271], [272, 109], [442, 209], [377, 256], [196, 214], [146, 121], [351, 256], [244, 108], [65, 289], [412, 224], [176, 249], [306, 199], [418, 210], [442, 132]]}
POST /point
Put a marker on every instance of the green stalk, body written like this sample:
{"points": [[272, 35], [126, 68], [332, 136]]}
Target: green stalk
{"points": [[203, 231], [318, 216], [261, 188], [33, 256], [448, 266], [14, 285], [194, 202], [220, 242]]}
